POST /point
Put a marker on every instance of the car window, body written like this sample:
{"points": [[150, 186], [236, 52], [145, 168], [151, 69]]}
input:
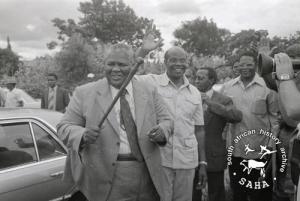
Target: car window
{"points": [[48, 147], [14, 141]]}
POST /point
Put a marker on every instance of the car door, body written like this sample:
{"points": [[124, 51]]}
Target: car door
{"points": [[31, 162]]}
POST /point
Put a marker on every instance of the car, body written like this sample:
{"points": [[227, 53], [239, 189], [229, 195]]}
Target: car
{"points": [[32, 158]]}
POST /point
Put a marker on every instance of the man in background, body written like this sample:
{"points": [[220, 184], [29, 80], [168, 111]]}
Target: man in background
{"points": [[185, 148], [54, 97], [259, 107], [218, 110], [13, 95]]}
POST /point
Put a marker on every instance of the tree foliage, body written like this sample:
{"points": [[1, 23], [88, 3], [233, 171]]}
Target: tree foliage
{"points": [[9, 62], [78, 58], [32, 75], [279, 44], [200, 36], [108, 21]]}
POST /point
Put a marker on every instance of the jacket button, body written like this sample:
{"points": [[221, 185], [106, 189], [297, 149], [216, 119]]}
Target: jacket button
{"points": [[118, 143], [113, 164]]}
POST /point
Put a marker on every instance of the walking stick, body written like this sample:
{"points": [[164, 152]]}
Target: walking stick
{"points": [[139, 62]]}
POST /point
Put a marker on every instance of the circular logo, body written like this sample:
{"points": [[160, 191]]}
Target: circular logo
{"points": [[252, 170]]}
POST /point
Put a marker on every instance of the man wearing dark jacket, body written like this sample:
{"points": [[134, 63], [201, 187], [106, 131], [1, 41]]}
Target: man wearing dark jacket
{"points": [[218, 110], [54, 97]]}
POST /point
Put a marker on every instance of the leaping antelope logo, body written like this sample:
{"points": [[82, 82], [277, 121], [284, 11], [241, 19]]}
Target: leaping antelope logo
{"points": [[253, 164], [248, 149], [264, 151]]}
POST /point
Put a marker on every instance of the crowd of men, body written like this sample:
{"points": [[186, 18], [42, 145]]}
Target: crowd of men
{"points": [[168, 136]]}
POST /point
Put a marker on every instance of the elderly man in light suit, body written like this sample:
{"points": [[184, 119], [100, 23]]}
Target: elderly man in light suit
{"points": [[115, 162]]}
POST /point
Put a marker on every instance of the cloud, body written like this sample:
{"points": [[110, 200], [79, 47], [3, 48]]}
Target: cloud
{"points": [[28, 22], [179, 7], [31, 19], [279, 17], [30, 27]]}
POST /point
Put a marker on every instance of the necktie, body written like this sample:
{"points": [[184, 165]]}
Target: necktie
{"points": [[126, 120], [51, 99]]}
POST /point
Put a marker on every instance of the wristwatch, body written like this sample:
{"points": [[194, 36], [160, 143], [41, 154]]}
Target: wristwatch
{"points": [[284, 77]]}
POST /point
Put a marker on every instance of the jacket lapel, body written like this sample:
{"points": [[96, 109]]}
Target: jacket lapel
{"points": [[104, 100], [140, 101]]}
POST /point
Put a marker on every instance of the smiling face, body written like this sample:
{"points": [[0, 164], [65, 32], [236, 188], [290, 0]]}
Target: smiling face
{"points": [[117, 67], [176, 63], [247, 67]]}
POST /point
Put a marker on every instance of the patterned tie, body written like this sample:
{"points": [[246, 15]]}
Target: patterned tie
{"points": [[51, 99], [126, 120]]}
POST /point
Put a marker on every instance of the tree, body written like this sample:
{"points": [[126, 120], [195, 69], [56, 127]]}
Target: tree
{"points": [[281, 43], [9, 61], [200, 36], [245, 40], [32, 75], [108, 21], [78, 58]]}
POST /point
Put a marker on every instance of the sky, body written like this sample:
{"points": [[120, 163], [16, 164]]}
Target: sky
{"points": [[28, 22]]}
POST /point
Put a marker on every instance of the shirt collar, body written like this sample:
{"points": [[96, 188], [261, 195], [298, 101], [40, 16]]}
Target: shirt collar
{"points": [[54, 88], [128, 88], [165, 80], [256, 80]]}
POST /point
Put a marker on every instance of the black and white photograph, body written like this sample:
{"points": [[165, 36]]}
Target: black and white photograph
{"points": [[158, 100]]}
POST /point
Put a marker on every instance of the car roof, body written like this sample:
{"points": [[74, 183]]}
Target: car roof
{"points": [[49, 116]]}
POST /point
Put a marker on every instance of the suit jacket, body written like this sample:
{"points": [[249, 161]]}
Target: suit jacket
{"points": [[62, 99], [92, 168], [216, 116]]}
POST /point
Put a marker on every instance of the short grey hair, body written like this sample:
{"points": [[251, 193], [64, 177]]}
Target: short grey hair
{"points": [[121, 47]]}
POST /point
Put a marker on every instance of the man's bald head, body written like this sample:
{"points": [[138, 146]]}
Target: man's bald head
{"points": [[175, 50], [176, 63]]}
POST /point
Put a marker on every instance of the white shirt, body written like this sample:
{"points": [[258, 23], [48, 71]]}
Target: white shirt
{"points": [[124, 144], [185, 106], [13, 97]]}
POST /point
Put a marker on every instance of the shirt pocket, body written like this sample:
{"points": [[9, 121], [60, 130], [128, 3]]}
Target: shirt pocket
{"points": [[259, 107], [189, 151], [190, 106], [190, 142]]}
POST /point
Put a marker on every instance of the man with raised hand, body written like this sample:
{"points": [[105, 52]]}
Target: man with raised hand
{"points": [[121, 159], [185, 150]]}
